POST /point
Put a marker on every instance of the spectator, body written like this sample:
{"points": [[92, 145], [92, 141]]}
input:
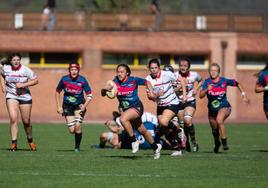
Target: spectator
{"points": [[155, 9]]}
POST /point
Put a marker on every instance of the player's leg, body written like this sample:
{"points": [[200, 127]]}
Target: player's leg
{"points": [[125, 119], [25, 110], [180, 116], [79, 117], [222, 115], [148, 136], [13, 112], [189, 112], [265, 109], [215, 133]]}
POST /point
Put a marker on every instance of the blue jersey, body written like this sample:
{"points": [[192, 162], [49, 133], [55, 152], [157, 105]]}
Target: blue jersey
{"points": [[217, 98], [127, 94], [151, 128], [263, 81], [73, 89]]}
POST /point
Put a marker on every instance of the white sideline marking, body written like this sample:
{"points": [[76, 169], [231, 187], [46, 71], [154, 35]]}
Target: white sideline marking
{"points": [[110, 175], [81, 174]]}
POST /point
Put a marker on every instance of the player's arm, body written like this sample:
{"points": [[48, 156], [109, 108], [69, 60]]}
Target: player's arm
{"points": [[204, 90], [149, 91], [3, 84], [30, 82], [243, 93], [112, 126], [260, 88], [58, 102]]}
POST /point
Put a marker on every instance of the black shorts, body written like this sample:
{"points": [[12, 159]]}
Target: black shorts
{"points": [[68, 109], [265, 107], [173, 108], [187, 104], [214, 113], [21, 101]]}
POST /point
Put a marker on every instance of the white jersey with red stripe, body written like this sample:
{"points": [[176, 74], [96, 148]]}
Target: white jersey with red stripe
{"points": [[191, 78], [12, 77], [164, 82]]}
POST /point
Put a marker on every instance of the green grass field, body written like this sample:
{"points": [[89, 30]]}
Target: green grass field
{"points": [[55, 164]]}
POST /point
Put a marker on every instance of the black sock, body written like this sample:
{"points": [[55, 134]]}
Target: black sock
{"points": [[172, 126], [102, 145], [78, 138], [30, 140], [224, 141], [192, 133], [186, 132], [14, 141], [133, 138], [215, 133], [154, 146]]}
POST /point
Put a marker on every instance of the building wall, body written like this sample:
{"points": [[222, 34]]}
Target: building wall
{"points": [[92, 44]]}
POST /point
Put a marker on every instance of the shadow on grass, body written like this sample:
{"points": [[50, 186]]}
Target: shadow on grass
{"points": [[260, 150], [129, 157]]}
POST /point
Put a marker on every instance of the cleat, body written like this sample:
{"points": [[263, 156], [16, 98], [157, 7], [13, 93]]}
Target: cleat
{"points": [[32, 146], [195, 148], [135, 146], [217, 147], [225, 147], [13, 147], [77, 150], [176, 153], [157, 151]]}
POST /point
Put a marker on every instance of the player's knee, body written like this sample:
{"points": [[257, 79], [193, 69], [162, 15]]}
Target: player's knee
{"points": [[163, 122], [219, 121], [103, 137]]}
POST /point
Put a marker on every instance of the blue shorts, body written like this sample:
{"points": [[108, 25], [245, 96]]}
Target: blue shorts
{"points": [[187, 104], [138, 107]]}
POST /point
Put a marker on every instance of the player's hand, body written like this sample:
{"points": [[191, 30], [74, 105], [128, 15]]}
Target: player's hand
{"points": [[109, 122], [59, 110], [20, 85], [160, 93], [184, 99], [209, 87]]}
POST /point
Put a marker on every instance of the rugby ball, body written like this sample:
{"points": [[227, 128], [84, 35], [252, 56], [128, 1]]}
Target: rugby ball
{"points": [[111, 94]]}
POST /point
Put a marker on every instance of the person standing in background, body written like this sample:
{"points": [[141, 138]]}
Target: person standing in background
{"points": [[155, 9]]}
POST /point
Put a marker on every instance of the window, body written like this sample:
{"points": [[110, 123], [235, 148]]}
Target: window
{"points": [[49, 59], [136, 60], [248, 62]]}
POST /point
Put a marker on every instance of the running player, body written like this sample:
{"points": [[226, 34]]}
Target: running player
{"points": [[74, 103], [193, 83], [262, 86], [132, 107], [166, 99], [15, 82], [219, 109]]}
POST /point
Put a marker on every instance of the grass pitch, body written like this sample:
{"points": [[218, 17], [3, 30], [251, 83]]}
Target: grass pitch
{"points": [[55, 164]]}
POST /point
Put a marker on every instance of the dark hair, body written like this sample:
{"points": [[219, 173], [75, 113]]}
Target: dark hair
{"points": [[168, 67], [187, 60], [14, 54], [154, 60], [265, 68], [126, 67], [4, 61], [215, 65]]}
